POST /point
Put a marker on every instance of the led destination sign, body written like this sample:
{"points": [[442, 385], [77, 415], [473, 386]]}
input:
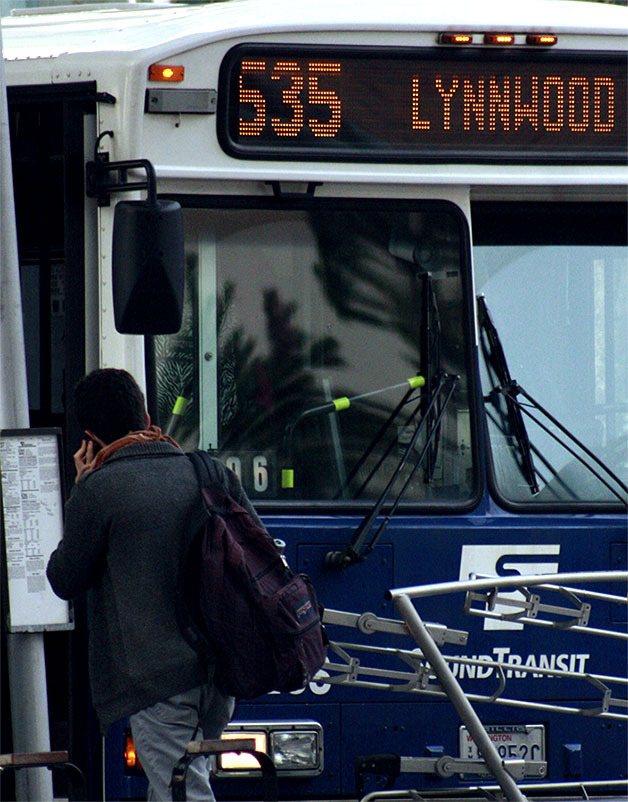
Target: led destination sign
{"points": [[422, 105]]}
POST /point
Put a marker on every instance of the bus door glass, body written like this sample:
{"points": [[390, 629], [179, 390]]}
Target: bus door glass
{"points": [[567, 353], [51, 129], [316, 340]]}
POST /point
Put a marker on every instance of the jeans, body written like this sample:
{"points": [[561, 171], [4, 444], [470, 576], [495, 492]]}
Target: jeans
{"points": [[162, 732]]}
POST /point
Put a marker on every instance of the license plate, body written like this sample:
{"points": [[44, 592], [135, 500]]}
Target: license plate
{"points": [[512, 741]]}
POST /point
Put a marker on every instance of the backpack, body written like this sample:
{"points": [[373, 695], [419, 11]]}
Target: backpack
{"points": [[239, 604]]}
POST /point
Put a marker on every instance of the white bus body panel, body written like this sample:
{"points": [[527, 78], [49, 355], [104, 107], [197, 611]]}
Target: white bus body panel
{"points": [[114, 48]]}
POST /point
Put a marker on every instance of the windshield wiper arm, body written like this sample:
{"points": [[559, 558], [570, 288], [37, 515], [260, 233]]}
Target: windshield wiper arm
{"points": [[496, 361], [358, 548], [517, 389], [336, 405], [539, 458], [407, 399], [430, 349]]}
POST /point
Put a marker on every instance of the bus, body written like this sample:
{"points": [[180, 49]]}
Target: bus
{"points": [[372, 256]]}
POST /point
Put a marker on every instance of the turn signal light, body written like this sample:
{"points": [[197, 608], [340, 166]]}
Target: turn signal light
{"points": [[166, 72]]}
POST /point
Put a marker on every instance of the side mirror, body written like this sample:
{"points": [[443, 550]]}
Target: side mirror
{"points": [[148, 267]]}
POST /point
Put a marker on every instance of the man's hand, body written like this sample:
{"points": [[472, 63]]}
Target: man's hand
{"points": [[84, 458]]}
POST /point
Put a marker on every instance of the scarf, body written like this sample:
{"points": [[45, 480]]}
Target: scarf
{"points": [[151, 435]]}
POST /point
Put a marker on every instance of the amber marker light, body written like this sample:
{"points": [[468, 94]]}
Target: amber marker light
{"points": [[455, 39], [169, 73], [131, 760], [499, 39], [541, 39]]}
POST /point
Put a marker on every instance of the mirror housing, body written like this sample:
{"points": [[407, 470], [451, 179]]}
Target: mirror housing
{"points": [[148, 265]]}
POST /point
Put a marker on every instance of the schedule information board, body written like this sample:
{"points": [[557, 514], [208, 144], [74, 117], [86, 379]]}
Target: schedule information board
{"points": [[32, 505]]}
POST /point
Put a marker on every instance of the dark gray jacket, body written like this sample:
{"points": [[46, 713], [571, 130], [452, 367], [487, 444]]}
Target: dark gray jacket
{"points": [[122, 543]]}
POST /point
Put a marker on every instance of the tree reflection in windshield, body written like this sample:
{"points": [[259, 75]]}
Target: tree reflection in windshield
{"points": [[316, 305]]}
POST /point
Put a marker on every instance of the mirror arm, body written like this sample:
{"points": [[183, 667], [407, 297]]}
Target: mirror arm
{"points": [[99, 185]]}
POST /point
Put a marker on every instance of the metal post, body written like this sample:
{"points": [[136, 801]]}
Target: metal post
{"points": [[29, 711], [455, 694], [25, 652]]}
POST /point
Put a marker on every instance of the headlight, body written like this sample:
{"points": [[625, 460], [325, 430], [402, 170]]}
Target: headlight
{"points": [[296, 748]]}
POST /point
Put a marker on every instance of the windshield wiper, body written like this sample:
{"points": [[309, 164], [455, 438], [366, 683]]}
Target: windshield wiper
{"points": [[431, 365], [515, 389], [497, 365], [337, 405], [406, 399], [539, 458], [363, 543], [438, 390], [430, 350], [510, 389]]}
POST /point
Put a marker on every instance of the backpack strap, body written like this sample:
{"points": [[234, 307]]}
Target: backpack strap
{"points": [[214, 476], [209, 471]]}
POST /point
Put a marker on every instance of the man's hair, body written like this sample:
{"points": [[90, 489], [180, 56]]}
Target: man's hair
{"points": [[110, 404]]}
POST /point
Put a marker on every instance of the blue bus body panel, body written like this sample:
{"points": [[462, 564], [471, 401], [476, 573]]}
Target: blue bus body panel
{"points": [[426, 550]]}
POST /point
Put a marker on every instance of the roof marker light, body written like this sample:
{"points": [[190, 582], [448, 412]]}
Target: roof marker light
{"points": [[166, 72], [455, 39], [499, 39], [541, 39]]}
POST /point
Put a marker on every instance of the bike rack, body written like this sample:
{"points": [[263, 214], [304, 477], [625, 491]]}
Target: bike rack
{"points": [[548, 600], [208, 748], [576, 790], [17, 761]]}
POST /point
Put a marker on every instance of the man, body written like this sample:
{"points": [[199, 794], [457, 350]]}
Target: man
{"points": [[135, 497]]}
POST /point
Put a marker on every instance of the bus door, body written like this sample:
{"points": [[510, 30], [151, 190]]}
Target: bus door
{"points": [[52, 135]]}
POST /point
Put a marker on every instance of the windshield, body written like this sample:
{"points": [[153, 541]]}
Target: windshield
{"points": [[314, 340], [554, 281]]}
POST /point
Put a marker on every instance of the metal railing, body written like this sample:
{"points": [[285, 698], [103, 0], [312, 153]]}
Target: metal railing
{"points": [[555, 601]]}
